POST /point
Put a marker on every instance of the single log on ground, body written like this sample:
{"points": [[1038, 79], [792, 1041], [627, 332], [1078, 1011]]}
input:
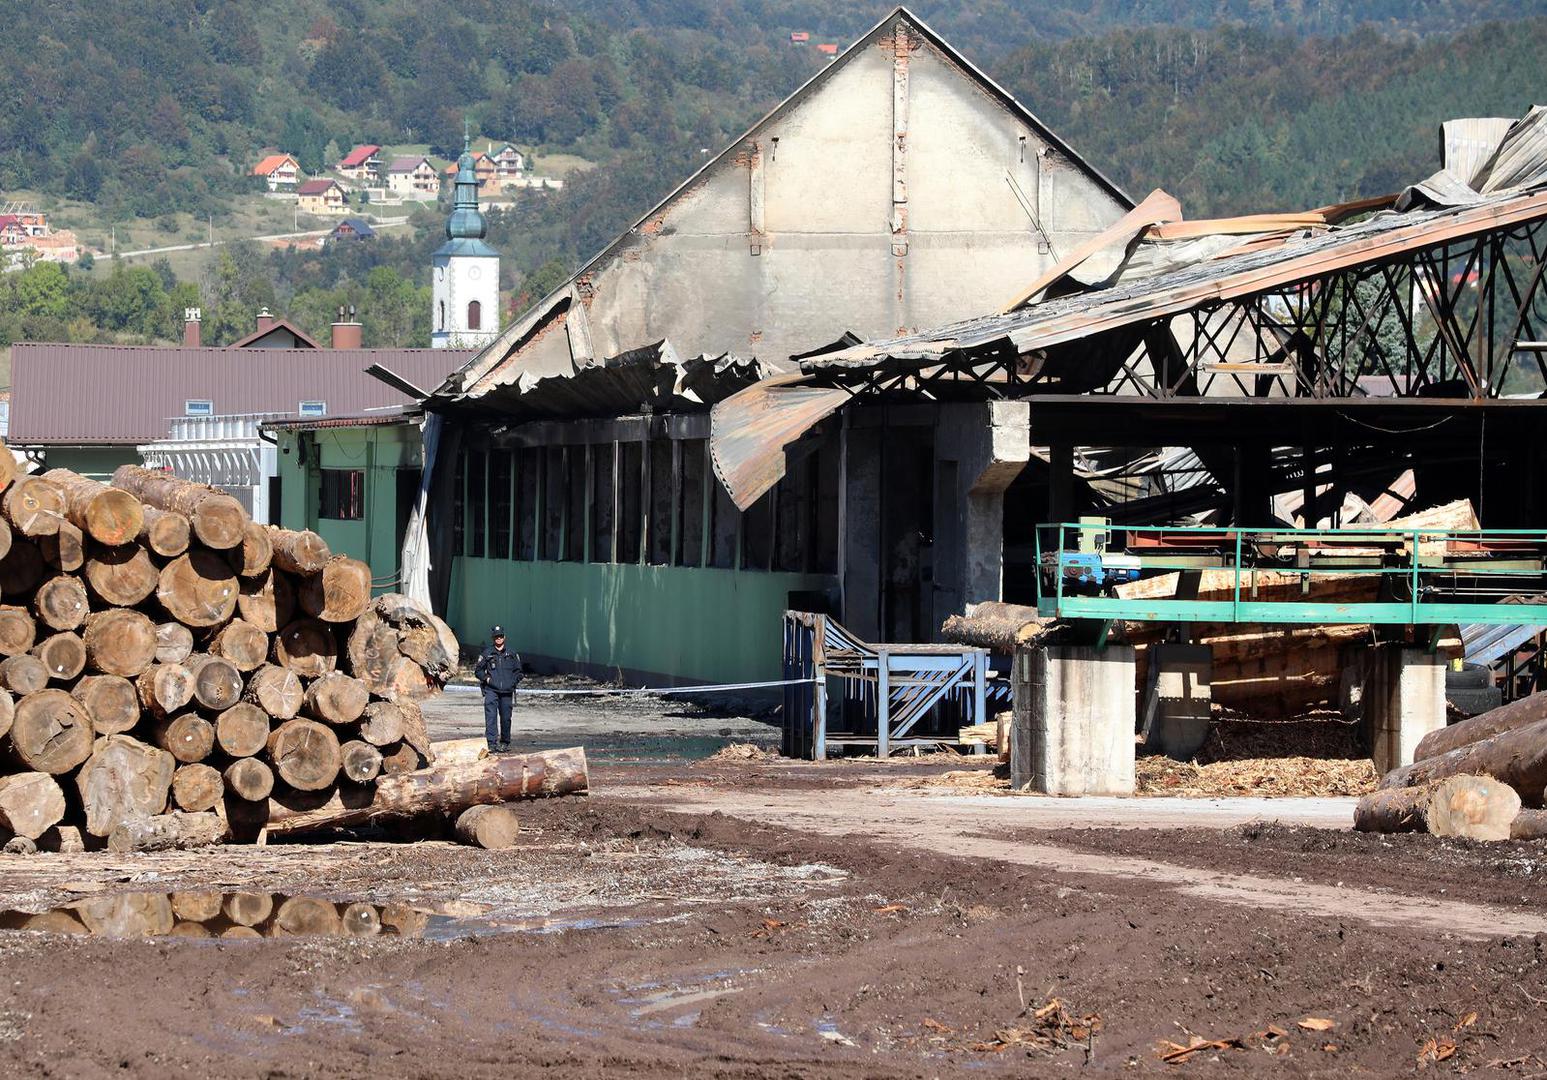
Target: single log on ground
{"points": [[1529, 825], [167, 832], [407, 681], [302, 552], [250, 779], [21, 569], [198, 589], [120, 642], [30, 803], [64, 549], [460, 751], [339, 592], [187, 737], [18, 630], [448, 789], [217, 684], [276, 690], [122, 780], [174, 643], [197, 787], [249, 908], [256, 551], [165, 532], [1478, 807], [372, 648], [64, 655], [307, 647], [218, 520], [60, 603], [401, 758], [23, 674], [122, 576], [33, 506], [109, 515], [1517, 757], [51, 732], [488, 825], [242, 643], [112, 701], [242, 730], [267, 600], [165, 688], [361, 920], [1516, 714], [336, 698], [307, 916], [199, 906], [305, 754], [381, 724], [361, 761]]}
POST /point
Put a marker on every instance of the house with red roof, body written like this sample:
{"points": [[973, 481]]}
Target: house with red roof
{"points": [[280, 172], [363, 163]]}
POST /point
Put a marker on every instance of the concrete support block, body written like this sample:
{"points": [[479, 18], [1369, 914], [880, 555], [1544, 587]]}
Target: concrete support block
{"points": [[1073, 728], [987, 444], [1403, 700], [1178, 716]]}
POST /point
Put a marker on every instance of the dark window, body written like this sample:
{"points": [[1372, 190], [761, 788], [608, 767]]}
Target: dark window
{"points": [[474, 315], [603, 494], [724, 519], [757, 539], [459, 507], [690, 519], [343, 495], [442, 325], [663, 488], [555, 504], [499, 504], [824, 555], [631, 513], [793, 507], [528, 481], [574, 518], [477, 502]]}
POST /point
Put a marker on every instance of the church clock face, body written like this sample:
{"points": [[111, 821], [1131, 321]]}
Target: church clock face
{"points": [[473, 273]]}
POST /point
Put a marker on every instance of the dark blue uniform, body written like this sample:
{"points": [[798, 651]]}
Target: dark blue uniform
{"points": [[498, 671]]}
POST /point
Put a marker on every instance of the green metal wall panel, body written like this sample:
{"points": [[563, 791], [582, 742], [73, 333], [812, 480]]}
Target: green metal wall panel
{"points": [[97, 462]]}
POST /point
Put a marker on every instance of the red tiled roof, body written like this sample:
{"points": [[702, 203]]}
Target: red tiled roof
{"points": [[135, 390], [316, 187], [358, 156], [270, 163], [9, 219]]}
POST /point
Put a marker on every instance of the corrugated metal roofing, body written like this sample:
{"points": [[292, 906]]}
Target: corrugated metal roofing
{"points": [[359, 156], [126, 394]]}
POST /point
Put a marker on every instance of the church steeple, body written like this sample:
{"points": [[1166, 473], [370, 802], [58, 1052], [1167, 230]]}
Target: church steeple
{"points": [[466, 221], [465, 288]]}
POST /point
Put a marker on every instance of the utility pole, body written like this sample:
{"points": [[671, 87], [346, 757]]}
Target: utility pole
{"points": [[212, 230]]}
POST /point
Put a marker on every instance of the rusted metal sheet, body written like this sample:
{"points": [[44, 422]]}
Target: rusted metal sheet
{"points": [[749, 431]]}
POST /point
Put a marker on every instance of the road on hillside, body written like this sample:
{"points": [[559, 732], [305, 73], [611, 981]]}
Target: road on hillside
{"points": [[388, 223]]}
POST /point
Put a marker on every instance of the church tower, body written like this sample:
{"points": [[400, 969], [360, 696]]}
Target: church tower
{"points": [[465, 284]]}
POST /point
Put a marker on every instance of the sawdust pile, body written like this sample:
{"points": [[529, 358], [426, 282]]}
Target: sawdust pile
{"points": [[744, 752], [996, 779], [1277, 777]]}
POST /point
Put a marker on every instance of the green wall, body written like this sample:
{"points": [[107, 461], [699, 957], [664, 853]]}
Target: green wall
{"points": [[97, 462]]}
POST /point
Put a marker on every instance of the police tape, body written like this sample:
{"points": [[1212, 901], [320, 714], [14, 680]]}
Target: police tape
{"points": [[623, 690]]}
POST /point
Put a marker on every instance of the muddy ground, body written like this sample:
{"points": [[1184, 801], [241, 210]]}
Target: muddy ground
{"points": [[750, 919]]}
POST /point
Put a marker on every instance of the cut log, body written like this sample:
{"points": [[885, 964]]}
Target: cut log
{"points": [[63, 655], [242, 730], [7, 712], [422, 645], [305, 754], [122, 576], [488, 825], [361, 920], [407, 681], [1517, 757], [21, 569], [196, 906], [60, 603], [51, 732], [165, 532], [372, 648], [1477, 807], [336, 698], [168, 832], [165, 688], [5, 537], [305, 916], [108, 515], [197, 787], [450, 646], [267, 600], [307, 647], [217, 684], [30, 803], [123, 780], [381, 724], [242, 643], [461, 751], [401, 758], [302, 552], [446, 789], [64, 549], [18, 630], [120, 642], [361, 761], [1529, 825], [65, 839], [416, 732], [277, 691], [256, 551], [9, 469], [127, 915], [198, 589], [339, 592], [33, 506], [112, 702], [250, 779], [217, 520], [174, 643], [188, 737], [1516, 714], [249, 908], [23, 674], [400, 610]]}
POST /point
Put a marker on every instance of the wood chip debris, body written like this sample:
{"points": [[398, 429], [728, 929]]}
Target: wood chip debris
{"points": [[1266, 777], [1053, 1028]]}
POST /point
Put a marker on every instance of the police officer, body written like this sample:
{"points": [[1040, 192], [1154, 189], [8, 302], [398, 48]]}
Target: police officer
{"points": [[498, 671]]}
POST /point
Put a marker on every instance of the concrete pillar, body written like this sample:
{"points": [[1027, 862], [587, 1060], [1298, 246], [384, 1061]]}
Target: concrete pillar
{"points": [[980, 448], [860, 543], [1073, 726], [1403, 700], [1177, 710]]}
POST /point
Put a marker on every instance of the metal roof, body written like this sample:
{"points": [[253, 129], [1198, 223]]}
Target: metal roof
{"points": [[127, 394]]}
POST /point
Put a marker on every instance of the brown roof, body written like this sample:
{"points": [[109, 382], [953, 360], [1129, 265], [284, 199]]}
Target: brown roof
{"points": [[278, 324], [127, 394], [317, 187]]}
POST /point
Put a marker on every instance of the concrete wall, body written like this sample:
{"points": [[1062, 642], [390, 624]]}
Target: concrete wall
{"points": [[1403, 700], [1073, 727], [982, 448]]}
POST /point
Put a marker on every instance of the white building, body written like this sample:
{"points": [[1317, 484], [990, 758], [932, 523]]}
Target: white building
{"points": [[466, 282]]}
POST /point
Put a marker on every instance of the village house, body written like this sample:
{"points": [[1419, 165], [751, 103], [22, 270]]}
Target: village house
{"points": [[280, 172], [509, 162], [363, 163], [413, 178], [12, 232], [323, 196], [489, 181], [352, 229]]}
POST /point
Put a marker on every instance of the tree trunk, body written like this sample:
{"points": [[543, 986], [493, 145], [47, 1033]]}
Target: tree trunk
{"points": [[305, 754], [299, 552], [372, 648], [51, 732], [416, 732], [198, 589], [63, 655], [337, 698], [188, 737], [174, 643], [165, 688], [21, 569], [339, 592], [422, 645], [307, 647], [250, 779], [407, 681], [277, 691], [64, 549], [30, 803], [197, 787], [361, 761], [401, 758], [305, 916], [249, 908], [217, 520], [124, 779], [33, 506], [18, 630], [217, 685], [108, 515], [120, 642], [488, 825], [1529, 825], [253, 556], [242, 643], [444, 790], [167, 832], [242, 730], [267, 600], [196, 906], [1477, 807], [111, 701], [381, 724], [461, 751], [449, 646], [1519, 713], [61, 603], [361, 920], [121, 576], [23, 674], [165, 532], [7, 712], [1517, 757]]}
